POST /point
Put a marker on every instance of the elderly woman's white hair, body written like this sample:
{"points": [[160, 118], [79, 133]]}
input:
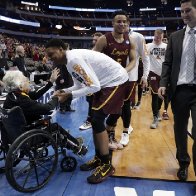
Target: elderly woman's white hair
{"points": [[13, 80], [19, 50]]}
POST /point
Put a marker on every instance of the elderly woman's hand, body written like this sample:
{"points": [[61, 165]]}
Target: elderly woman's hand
{"points": [[55, 74]]}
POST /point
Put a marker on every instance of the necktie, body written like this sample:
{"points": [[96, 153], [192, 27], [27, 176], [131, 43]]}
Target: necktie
{"points": [[191, 57]]}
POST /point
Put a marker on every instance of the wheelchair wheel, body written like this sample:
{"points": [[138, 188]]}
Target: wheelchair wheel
{"points": [[2, 153], [44, 152], [68, 164], [2, 157], [36, 154], [17, 161]]}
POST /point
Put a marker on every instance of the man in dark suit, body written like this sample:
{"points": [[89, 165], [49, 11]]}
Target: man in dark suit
{"points": [[179, 76], [19, 60]]}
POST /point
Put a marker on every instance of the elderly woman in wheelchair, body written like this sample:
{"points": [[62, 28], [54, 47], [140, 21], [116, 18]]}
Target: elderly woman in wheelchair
{"points": [[31, 144]]}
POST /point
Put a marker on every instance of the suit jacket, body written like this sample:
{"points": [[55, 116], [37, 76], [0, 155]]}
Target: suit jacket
{"points": [[171, 65], [19, 62]]}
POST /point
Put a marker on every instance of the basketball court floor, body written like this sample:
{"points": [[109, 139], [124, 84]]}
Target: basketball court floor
{"points": [[146, 167]]}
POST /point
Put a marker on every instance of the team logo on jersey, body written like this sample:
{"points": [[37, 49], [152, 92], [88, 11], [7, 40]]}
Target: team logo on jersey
{"points": [[158, 52], [116, 52], [81, 75]]}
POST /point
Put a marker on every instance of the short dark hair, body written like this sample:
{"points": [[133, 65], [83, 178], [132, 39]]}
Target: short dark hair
{"points": [[184, 1], [57, 43], [192, 1], [120, 12]]}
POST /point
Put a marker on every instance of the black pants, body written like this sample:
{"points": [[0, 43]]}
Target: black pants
{"points": [[89, 99], [182, 103], [156, 104], [139, 92]]}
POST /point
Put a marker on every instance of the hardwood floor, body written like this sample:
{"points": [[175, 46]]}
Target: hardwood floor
{"points": [[151, 152]]}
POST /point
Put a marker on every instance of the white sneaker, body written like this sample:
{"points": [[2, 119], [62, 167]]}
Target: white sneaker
{"points": [[114, 145], [155, 122], [159, 117], [130, 130], [86, 125], [124, 139]]}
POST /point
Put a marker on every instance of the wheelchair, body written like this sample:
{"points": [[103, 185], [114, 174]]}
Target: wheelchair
{"points": [[31, 151]]}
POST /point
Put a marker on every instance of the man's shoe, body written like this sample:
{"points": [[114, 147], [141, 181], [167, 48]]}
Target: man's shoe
{"points": [[130, 130], [101, 173], [124, 139], [182, 173], [155, 122], [114, 145], [90, 165], [137, 105], [165, 116], [159, 117], [81, 150], [143, 92], [86, 125]]}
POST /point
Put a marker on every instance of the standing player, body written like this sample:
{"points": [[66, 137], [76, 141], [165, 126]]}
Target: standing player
{"points": [[93, 72], [141, 51], [119, 46], [141, 70], [156, 51], [89, 98]]}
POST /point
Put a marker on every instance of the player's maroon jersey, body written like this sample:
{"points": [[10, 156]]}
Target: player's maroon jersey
{"points": [[117, 51]]}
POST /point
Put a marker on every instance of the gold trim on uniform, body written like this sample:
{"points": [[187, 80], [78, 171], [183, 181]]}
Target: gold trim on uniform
{"points": [[130, 92], [105, 102], [152, 90]]}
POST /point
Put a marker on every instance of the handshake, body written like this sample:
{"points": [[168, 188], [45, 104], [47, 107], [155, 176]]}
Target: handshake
{"points": [[62, 95]]}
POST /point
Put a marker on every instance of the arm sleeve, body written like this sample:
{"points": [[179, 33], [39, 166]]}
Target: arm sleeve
{"points": [[84, 78], [145, 58], [167, 65], [36, 108], [38, 93]]}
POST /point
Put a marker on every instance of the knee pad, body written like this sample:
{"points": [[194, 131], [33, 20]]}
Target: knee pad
{"points": [[98, 122]]}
